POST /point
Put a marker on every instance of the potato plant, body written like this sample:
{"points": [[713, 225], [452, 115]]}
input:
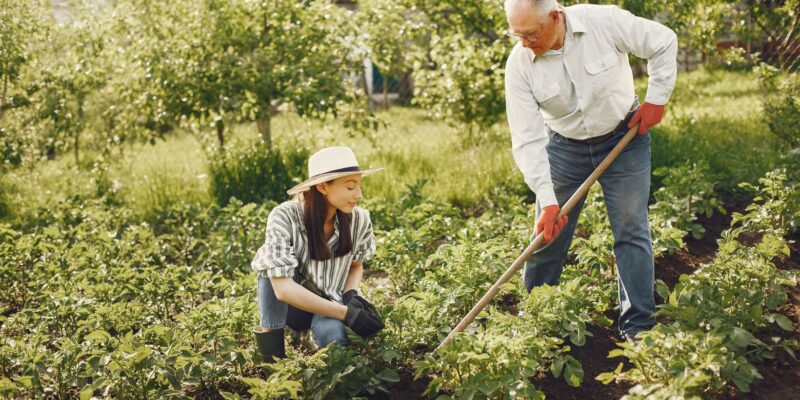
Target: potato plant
{"points": [[712, 316]]}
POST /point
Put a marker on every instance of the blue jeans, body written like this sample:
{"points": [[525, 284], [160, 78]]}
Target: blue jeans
{"points": [[626, 188], [273, 316]]}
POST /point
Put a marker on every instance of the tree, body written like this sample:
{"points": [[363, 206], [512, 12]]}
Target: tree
{"points": [[21, 27], [460, 67], [63, 76], [205, 63], [390, 28], [298, 54], [777, 23]]}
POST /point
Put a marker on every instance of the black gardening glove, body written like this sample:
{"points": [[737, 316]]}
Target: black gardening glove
{"points": [[353, 296], [361, 321]]}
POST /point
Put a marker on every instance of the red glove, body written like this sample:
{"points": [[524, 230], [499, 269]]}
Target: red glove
{"points": [[548, 224], [646, 116]]}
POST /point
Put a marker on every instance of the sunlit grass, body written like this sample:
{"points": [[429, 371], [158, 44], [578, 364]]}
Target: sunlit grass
{"points": [[712, 116]]}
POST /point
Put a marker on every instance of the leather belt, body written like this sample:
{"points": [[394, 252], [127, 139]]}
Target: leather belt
{"points": [[603, 138]]}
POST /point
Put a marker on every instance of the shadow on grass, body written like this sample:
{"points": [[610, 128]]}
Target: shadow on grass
{"points": [[737, 150]]}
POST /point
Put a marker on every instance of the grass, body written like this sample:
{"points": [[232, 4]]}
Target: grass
{"points": [[716, 116], [713, 116], [411, 147]]}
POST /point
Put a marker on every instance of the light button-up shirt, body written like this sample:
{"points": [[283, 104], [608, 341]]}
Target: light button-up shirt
{"points": [[585, 89]]}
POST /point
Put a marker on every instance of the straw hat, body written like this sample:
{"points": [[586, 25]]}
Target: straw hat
{"points": [[328, 164]]}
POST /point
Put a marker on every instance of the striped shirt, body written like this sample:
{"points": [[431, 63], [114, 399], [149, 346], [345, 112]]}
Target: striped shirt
{"points": [[285, 251]]}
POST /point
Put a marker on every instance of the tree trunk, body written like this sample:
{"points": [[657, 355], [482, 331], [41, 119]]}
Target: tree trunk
{"points": [[362, 81], [77, 139], [79, 128], [5, 94], [385, 92], [221, 135], [265, 129], [5, 91], [406, 91]]}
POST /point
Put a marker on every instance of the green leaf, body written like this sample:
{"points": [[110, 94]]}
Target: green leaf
{"points": [[99, 335], [573, 373], [86, 393], [389, 375], [741, 337], [784, 322], [556, 367], [606, 377], [489, 388], [662, 290]]}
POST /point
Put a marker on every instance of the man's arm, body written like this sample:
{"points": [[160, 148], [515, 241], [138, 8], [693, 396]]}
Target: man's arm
{"points": [[528, 137], [654, 42]]}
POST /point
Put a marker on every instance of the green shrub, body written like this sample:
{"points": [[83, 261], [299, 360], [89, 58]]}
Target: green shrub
{"points": [[780, 97], [253, 174]]}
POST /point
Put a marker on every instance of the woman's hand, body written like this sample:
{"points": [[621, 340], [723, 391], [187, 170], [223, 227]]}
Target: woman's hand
{"points": [[362, 322], [352, 296]]}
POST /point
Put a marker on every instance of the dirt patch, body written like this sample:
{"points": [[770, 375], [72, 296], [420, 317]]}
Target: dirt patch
{"points": [[792, 261], [407, 388], [213, 392], [670, 267], [594, 359]]}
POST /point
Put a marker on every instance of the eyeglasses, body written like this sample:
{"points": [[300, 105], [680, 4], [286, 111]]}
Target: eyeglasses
{"points": [[526, 36]]}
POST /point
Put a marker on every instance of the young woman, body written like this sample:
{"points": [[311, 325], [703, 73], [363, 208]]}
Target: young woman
{"points": [[310, 265]]}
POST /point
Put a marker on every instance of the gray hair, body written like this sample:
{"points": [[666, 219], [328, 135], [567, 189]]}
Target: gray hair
{"points": [[542, 7]]}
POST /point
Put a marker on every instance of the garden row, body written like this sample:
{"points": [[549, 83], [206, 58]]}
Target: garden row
{"points": [[97, 303]]}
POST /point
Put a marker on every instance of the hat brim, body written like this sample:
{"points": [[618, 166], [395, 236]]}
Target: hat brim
{"points": [[308, 183]]}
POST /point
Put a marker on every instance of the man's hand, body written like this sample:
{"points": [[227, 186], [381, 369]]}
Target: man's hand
{"points": [[646, 116], [548, 225]]}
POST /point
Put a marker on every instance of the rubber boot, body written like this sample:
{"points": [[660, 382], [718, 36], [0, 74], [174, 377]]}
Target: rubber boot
{"points": [[270, 345]]}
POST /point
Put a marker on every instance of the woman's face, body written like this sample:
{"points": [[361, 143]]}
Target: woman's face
{"points": [[342, 193]]}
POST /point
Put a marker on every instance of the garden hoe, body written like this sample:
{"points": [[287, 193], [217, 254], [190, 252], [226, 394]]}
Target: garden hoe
{"points": [[537, 242]]}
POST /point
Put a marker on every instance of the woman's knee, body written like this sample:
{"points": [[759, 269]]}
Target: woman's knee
{"points": [[328, 330]]}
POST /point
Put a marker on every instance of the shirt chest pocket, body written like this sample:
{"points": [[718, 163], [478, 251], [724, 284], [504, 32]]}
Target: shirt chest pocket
{"points": [[603, 74], [549, 100]]}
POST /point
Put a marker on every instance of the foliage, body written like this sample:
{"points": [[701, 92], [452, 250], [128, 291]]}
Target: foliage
{"points": [[692, 361], [688, 191], [389, 28], [775, 207], [708, 335], [780, 99], [490, 365], [252, 173]]}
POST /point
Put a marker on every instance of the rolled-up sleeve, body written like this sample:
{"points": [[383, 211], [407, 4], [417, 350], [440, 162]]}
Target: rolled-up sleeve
{"points": [[365, 238], [276, 257], [528, 137], [652, 41]]}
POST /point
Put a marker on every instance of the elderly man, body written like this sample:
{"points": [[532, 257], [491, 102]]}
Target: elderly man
{"points": [[570, 98]]}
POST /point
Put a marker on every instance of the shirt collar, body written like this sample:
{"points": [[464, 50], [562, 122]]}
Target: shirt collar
{"points": [[574, 22], [574, 25]]}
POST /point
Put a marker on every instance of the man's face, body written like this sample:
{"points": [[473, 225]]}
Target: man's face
{"points": [[534, 33]]}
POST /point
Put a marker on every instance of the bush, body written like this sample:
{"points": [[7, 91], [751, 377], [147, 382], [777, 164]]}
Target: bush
{"points": [[780, 97], [253, 174]]}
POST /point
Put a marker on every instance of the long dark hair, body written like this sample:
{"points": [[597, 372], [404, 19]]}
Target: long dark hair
{"points": [[315, 208]]}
